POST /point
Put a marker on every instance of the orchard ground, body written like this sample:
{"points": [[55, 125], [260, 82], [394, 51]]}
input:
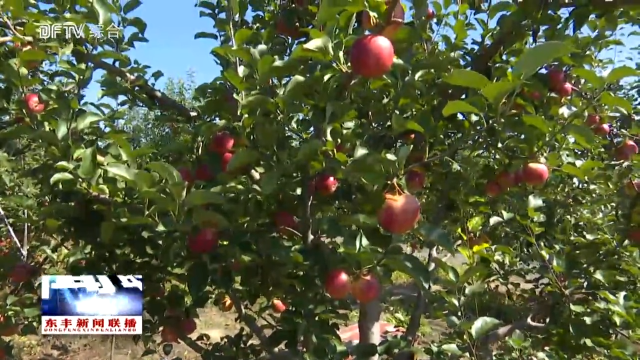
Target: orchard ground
{"points": [[216, 324]]}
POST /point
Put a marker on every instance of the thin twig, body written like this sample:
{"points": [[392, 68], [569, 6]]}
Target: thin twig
{"points": [[23, 253], [251, 323]]}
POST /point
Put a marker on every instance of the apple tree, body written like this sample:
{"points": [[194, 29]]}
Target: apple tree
{"points": [[340, 144]]}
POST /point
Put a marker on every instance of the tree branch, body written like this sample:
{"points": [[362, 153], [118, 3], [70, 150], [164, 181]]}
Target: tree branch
{"points": [[251, 323]]}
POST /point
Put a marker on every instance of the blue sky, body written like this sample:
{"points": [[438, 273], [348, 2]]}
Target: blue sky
{"points": [[173, 50]]}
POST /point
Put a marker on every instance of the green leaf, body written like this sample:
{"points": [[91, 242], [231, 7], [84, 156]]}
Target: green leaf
{"points": [[203, 197], [309, 150], [534, 202], [496, 92], [467, 78], [536, 121], [165, 171], [242, 36], [31, 312], [589, 76], [85, 120], [320, 49], [89, 165], [295, 86], [583, 135], [106, 230], [242, 159], [122, 171], [534, 58], [573, 170], [482, 326], [104, 9], [620, 73], [11, 299], [451, 348], [399, 125], [197, 278], [204, 217], [459, 106], [60, 177], [33, 55], [205, 35], [269, 182], [616, 102], [438, 236], [412, 266], [130, 6]]}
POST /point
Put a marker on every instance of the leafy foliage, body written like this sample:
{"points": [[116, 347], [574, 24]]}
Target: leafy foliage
{"points": [[261, 182]]}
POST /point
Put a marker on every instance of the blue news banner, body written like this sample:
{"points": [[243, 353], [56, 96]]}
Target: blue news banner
{"points": [[91, 304]]}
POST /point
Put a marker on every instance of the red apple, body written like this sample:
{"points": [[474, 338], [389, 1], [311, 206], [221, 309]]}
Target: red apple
{"points": [[506, 180], [203, 173], [518, 177], [602, 129], [535, 174], [626, 150], [226, 159], [285, 221], [431, 14], [492, 189], [634, 236], [222, 143], [285, 29], [534, 95], [34, 105], [372, 56], [204, 241], [415, 157], [278, 306], [399, 213], [366, 289], [188, 326], [564, 90], [415, 180], [337, 284], [593, 120], [186, 174], [169, 335], [325, 184], [22, 272], [556, 78]]}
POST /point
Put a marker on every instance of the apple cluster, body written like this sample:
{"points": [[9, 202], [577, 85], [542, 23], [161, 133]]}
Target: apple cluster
{"points": [[532, 174], [365, 288]]}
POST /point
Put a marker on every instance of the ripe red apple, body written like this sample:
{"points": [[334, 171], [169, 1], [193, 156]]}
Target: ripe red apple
{"points": [[204, 241], [372, 56], [21, 273], [626, 150], [564, 90], [34, 105], [431, 14], [224, 162], [518, 177], [284, 29], [535, 174], [415, 180], [556, 78], [285, 221], [188, 326], [186, 174], [278, 306], [506, 180], [415, 157], [602, 129], [534, 95], [169, 335], [634, 236], [593, 120], [399, 213], [337, 284], [366, 289], [325, 184], [492, 189], [221, 143], [203, 173]]}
